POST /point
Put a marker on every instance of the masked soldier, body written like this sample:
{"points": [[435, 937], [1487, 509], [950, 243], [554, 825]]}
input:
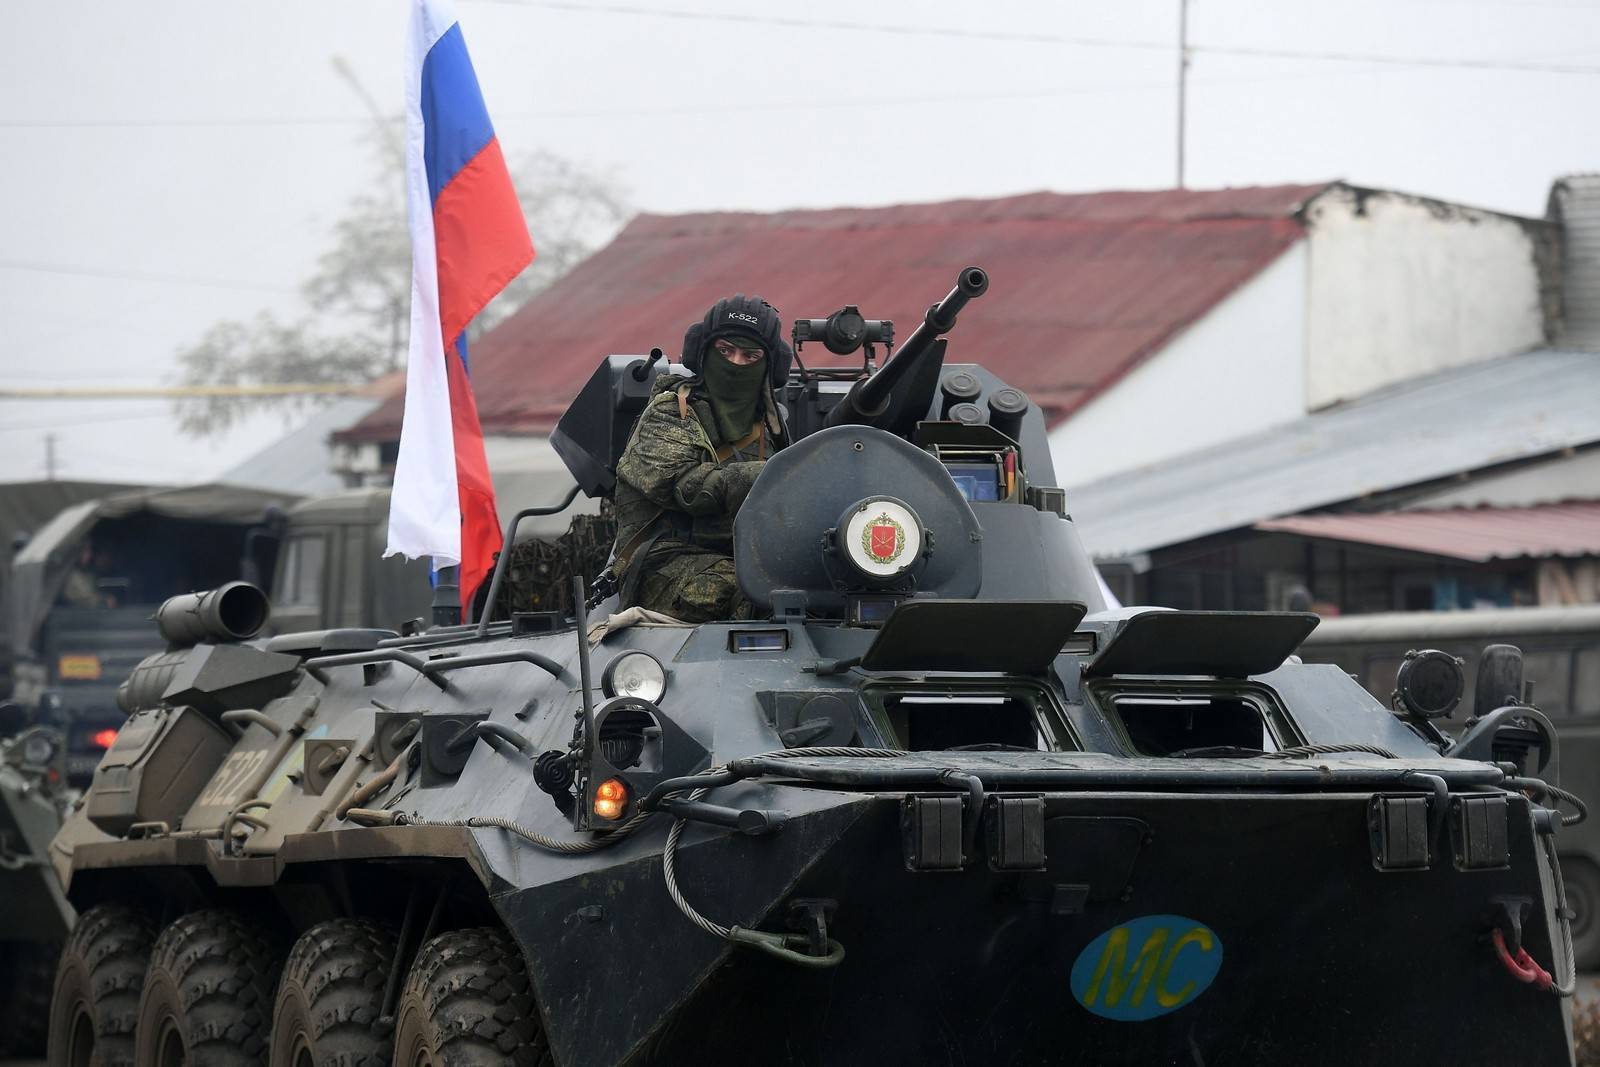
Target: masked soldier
{"points": [[697, 448]]}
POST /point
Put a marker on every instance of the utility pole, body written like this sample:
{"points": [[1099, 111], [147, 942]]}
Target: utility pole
{"points": [[50, 457], [1183, 79]]}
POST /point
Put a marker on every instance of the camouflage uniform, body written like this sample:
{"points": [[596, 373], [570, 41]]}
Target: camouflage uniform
{"points": [[681, 484]]}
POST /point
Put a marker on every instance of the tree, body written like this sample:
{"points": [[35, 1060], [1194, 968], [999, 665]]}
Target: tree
{"points": [[360, 295]]}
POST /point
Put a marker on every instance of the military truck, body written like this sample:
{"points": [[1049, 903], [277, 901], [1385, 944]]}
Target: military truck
{"points": [[932, 804], [81, 592], [85, 586]]}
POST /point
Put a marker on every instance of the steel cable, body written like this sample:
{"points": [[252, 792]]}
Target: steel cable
{"points": [[669, 853], [1329, 750], [533, 837]]}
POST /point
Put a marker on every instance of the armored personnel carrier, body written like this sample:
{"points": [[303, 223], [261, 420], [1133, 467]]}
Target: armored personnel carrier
{"points": [[933, 804], [36, 915]]}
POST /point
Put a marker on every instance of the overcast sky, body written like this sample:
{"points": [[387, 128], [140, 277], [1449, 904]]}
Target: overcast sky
{"points": [[170, 164]]}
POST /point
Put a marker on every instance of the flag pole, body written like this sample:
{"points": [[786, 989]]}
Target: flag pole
{"points": [[468, 239], [447, 596]]}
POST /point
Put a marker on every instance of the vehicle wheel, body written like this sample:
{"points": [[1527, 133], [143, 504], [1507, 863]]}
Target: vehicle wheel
{"points": [[26, 971], [468, 1003], [1582, 879], [96, 997], [208, 994], [330, 1001]]}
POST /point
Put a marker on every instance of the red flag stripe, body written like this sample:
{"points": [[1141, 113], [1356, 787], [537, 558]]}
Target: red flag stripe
{"points": [[480, 239], [480, 524]]}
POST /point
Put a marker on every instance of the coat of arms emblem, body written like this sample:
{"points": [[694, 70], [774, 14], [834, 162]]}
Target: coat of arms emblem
{"points": [[883, 539]]}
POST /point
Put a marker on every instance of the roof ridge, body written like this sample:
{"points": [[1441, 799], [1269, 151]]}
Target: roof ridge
{"points": [[1108, 207]]}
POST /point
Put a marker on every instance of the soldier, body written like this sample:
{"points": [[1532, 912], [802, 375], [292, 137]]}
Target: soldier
{"points": [[697, 448]]}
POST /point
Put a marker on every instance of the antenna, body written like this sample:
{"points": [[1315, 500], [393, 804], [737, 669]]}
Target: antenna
{"points": [[1183, 79]]}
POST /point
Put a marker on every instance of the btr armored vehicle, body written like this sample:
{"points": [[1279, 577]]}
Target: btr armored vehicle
{"points": [[36, 915], [932, 804]]}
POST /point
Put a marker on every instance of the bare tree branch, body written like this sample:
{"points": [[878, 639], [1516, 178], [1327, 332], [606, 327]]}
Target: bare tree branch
{"points": [[360, 293]]}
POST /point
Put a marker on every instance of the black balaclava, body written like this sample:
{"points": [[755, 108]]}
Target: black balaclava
{"points": [[734, 391]]}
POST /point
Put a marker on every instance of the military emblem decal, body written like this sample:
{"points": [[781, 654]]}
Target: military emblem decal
{"points": [[884, 539], [881, 537]]}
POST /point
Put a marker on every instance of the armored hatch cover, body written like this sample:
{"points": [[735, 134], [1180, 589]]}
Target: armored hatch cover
{"points": [[1005, 636], [1222, 644]]}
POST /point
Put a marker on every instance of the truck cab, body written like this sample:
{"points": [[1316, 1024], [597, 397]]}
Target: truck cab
{"points": [[331, 571]]}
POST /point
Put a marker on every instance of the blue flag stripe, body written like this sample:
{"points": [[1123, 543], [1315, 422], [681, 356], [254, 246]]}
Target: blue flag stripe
{"points": [[455, 121]]}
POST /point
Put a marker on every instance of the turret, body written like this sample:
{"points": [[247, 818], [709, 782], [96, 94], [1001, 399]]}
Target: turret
{"points": [[900, 392]]}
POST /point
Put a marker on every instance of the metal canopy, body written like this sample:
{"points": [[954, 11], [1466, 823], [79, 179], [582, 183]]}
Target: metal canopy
{"points": [[1459, 420]]}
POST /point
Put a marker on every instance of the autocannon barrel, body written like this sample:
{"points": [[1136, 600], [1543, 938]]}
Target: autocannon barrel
{"points": [[870, 397], [230, 612]]}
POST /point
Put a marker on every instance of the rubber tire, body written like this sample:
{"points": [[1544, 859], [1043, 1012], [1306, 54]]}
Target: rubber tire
{"points": [[467, 1002], [27, 970], [1582, 879], [208, 993], [330, 1000], [96, 991]]}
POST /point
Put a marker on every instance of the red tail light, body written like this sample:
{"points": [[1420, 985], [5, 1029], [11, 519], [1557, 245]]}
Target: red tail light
{"points": [[103, 738]]}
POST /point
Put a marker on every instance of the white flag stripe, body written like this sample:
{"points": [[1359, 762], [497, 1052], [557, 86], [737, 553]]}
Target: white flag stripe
{"points": [[424, 508]]}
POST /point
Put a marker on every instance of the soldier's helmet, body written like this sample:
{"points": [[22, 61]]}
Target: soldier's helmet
{"points": [[747, 317]]}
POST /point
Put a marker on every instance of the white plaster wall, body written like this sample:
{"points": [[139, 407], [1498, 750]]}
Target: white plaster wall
{"points": [[1241, 368], [1401, 287], [528, 473]]}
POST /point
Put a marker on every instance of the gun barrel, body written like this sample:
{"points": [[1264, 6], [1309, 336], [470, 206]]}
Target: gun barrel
{"points": [[870, 395]]}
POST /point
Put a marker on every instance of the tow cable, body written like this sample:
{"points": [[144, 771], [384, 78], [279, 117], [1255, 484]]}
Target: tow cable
{"points": [[791, 948], [1519, 964], [1522, 966]]}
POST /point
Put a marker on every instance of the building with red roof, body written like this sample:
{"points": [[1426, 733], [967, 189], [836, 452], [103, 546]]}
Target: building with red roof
{"points": [[1187, 316], [1284, 332]]}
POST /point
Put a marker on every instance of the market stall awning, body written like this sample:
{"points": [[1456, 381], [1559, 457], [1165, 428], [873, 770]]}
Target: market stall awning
{"points": [[1478, 534]]}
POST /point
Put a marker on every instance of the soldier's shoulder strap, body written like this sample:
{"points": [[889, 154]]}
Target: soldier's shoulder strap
{"points": [[687, 413], [757, 433], [640, 539]]}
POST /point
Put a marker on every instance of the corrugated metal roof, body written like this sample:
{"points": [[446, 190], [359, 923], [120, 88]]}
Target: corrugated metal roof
{"points": [[1462, 419], [300, 462], [1085, 287], [1478, 534]]}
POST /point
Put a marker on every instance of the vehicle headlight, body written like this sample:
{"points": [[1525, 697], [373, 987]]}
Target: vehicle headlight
{"points": [[635, 674], [38, 750]]}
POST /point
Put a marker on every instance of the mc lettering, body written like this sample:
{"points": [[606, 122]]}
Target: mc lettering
{"points": [[1146, 967]]}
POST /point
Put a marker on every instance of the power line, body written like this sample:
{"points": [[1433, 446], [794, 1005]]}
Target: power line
{"points": [[722, 107], [141, 276], [1234, 51], [1396, 61], [163, 412], [787, 22], [597, 113], [177, 392], [1039, 38]]}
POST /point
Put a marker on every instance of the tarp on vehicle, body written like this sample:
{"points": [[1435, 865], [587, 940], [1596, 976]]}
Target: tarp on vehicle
{"points": [[41, 567]]}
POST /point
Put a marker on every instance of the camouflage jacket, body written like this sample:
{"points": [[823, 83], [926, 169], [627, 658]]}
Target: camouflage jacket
{"points": [[672, 477]]}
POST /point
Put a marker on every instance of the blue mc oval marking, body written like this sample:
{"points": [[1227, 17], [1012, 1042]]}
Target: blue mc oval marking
{"points": [[1146, 967]]}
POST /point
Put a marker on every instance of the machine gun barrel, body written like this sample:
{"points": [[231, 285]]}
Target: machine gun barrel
{"points": [[870, 396]]}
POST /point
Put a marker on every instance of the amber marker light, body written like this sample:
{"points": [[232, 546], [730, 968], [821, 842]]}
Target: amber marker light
{"points": [[610, 798]]}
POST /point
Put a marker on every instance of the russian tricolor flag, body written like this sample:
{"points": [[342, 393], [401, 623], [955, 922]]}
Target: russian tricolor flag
{"points": [[468, 240]]}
